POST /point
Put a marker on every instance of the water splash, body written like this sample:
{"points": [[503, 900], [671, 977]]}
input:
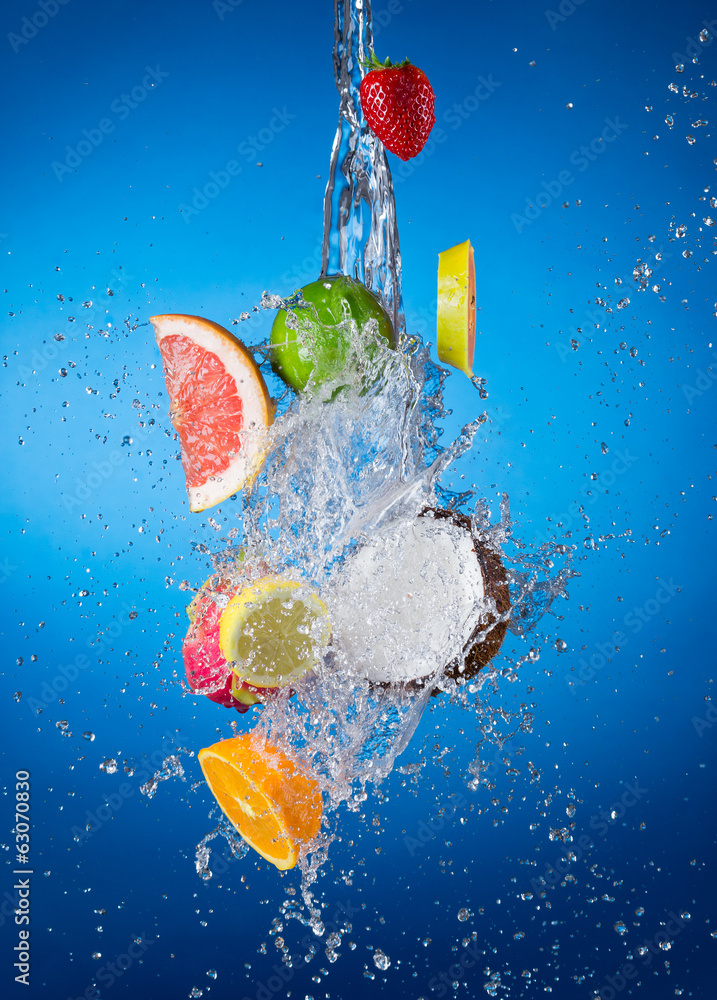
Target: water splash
{"points": [[354, 466], [360, 228]]}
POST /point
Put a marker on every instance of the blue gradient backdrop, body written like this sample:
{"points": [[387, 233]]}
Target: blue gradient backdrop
{"points": [[92, 559]]}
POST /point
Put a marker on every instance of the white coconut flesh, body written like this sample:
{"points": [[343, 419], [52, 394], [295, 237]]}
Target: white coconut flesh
{"points": [[405, 605]]}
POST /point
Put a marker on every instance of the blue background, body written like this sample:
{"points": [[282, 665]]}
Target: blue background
{"points": [[97, 536]]}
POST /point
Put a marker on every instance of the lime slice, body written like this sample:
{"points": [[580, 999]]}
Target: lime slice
{"points": [[456, 321], [273, 631]]}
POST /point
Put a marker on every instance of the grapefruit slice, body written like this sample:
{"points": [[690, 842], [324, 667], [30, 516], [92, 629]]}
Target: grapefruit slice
{"points": [[207, 671], [272, 800], [456, 321], [219, 405]]}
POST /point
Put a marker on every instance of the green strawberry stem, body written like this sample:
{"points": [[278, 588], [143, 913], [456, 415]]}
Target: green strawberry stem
{"points": [[374, 63]]}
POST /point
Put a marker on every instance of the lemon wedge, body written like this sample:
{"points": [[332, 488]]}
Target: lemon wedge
{"points": [[273, 632]]}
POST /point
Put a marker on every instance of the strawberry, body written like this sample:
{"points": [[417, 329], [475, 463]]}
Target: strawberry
{"points": [[397, 103]]}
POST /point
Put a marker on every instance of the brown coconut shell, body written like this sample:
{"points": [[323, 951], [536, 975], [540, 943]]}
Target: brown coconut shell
{"points": [[485, 641]]}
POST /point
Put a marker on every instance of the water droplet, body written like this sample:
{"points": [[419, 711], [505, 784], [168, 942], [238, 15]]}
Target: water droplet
{"points": [[380, 960], [109, 766], [88, 736], [463, 914], [620, 927]]}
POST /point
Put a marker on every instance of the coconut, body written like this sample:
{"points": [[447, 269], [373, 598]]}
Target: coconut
{"points": [[412, 602]]}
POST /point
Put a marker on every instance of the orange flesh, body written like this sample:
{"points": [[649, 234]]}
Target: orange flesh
{"points": [[272, 804], [205, 408]]}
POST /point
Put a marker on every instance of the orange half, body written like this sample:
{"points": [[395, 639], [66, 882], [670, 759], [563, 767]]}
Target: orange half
{"points": [[272, 800], [219, 404]]}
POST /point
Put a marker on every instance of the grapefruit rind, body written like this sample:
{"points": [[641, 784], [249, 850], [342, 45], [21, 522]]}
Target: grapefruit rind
{"points": [[456, 319], [257, 406], [272, 801]]}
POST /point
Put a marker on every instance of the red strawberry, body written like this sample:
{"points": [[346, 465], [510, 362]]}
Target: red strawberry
{"points": [[397, 103]]}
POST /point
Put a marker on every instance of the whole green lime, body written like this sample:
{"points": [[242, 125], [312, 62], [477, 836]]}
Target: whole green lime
{"points": [[318, 342]]}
